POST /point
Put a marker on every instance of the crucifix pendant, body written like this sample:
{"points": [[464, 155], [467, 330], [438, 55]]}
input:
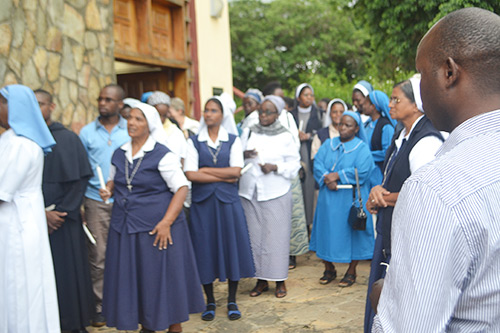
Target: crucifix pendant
{"points": [[214, 160], [129, 186]]}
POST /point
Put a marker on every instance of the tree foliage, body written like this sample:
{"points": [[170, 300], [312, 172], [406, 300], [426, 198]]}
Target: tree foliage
{"points": [[396, 27], [290, 40], [332, 43]]}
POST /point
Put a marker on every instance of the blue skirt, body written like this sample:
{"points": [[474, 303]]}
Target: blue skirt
{"points": [[220, 239], [145, 285]]}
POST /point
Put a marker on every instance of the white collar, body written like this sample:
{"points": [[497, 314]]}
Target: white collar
{"points": [[149, 145], [403, 134], [304, 110], [221, 136]]}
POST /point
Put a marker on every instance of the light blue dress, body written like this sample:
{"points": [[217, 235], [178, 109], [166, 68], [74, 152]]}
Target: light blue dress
{"points": [[332, 237]]}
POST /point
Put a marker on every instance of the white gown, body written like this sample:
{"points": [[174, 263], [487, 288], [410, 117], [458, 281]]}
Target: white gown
{"points": [[28, 299]]}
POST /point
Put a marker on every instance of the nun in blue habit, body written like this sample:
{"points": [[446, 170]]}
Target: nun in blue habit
{"points": [[332, 237], [379, 129]]}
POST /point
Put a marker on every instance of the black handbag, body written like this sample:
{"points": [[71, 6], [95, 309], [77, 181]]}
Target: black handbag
{"points": [[357, 216]]}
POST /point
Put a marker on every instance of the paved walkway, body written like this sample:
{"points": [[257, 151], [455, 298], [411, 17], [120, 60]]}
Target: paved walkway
{"points": [[308, 307]]}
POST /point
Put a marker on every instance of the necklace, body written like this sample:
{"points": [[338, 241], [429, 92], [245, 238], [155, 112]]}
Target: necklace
{"points": [[129, 180], [214, 156]]}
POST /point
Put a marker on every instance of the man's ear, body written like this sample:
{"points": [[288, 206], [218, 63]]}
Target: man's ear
{"points": [[452, 72]]}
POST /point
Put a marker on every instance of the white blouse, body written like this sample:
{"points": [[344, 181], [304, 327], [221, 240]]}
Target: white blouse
{"points": [[424, 150], [235, 155], [278, 149], [169, 166]]}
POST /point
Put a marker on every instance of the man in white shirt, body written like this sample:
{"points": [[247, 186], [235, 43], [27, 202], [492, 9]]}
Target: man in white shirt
{"points": [[444, 273]]}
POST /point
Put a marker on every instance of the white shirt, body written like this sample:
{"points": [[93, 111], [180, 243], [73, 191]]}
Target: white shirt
{"points": [[169, 166], [235, 154], [250, 120], [287, 120], [423, 151], [277, 149], [176, 141], [445, 267], [191, 125]]}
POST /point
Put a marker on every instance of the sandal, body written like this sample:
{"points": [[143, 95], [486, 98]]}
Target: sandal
{"points": [[209, 313], [347, 281], [260, 287], [280, 290], [232, 311], [292, 262], [328, 276]]}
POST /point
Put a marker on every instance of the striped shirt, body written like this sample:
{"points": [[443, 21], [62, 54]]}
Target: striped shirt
{"points": [[445, 267]]}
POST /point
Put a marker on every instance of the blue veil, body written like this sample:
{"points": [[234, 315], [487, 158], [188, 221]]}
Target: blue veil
{"points": [[25, 117], [381, 102], [361, 133]]}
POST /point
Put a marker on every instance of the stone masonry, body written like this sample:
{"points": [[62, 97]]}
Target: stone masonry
{"points": [[62, 46]]}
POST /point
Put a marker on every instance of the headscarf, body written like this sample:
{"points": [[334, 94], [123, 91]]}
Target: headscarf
{"points": [[301, 87], [145, 96], [227, 120], [361, 133], [159, 97], [327, 120], [364, 86], [25, 117], [228, 102], [154, 123], [132, 102], [276, 127], [381, 102], [254, 94], [278, 102], [415, 85]]}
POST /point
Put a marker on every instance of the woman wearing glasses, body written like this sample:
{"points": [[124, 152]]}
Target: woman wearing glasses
{"points": [[218, 226], [266, 196], [414, 146]]}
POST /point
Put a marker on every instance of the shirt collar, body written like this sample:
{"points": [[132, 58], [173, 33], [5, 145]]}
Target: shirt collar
{"points": [[122, 123], [149, 145], [222, 136], [487, 122]]}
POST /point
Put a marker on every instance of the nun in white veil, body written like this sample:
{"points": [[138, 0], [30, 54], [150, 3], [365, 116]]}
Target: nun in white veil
{"points": [[151, 276]]}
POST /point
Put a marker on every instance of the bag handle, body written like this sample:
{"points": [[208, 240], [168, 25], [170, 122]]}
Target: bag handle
{"points": [[357, 188]]}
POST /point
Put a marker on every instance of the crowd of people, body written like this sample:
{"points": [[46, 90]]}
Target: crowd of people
{"points": [[171, 205]]}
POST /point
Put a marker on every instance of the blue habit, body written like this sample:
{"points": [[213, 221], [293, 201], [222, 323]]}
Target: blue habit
{"points": [[218, 225], [332, 237]]}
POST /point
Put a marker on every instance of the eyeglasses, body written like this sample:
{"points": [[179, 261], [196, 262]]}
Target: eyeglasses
{"points": [[395, 100], [267, 112], [106, 99]]}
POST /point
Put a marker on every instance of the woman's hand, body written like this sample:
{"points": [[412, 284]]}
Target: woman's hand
{"points": [[250, 153], [304, 136], [105, 194], [163, 236], [376, 197], [332, 186], [268, 168]]}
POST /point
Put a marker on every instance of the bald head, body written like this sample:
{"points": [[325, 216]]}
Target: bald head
{"points": [[459, 61], [471, 37]]}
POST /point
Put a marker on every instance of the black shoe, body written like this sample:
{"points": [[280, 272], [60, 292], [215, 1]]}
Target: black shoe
{"points": [[292, 262], [98, 320], [81, 330]]}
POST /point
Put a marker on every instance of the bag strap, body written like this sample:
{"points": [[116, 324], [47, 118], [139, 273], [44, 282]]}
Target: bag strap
{"points": [[358, 188]]}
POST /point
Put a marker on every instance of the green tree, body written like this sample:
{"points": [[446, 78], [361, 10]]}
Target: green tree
{"points": [[396, 27], [291, 41]]}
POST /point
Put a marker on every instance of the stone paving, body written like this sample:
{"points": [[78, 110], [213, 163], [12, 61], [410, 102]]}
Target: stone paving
{"points": [[308, 307]]}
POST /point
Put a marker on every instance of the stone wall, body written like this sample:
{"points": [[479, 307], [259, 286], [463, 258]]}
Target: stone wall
{"points": [[62, 46]]}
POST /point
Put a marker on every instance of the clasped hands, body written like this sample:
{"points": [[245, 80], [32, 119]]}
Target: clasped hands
{"points": [[266, 167], [376, 199], [331, 180]]}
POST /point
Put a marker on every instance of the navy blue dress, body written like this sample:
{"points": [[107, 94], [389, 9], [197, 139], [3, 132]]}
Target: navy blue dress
{"points": [[141, 283], [218, 225]]}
